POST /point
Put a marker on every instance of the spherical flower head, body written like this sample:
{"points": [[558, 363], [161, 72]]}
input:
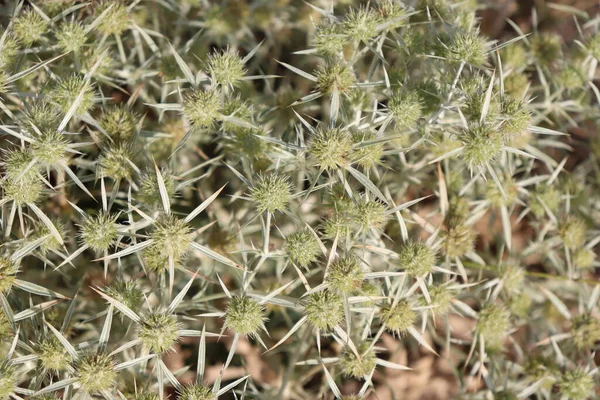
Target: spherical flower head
{"points": [[115, 162], [244, 315], [126, 292], [43, 115], [236, 107], [26, 190], [516, 117], [417, 259], [115, 21], [172, 237], [155, 260], [99, 232], [371, 290], [10, 48], [515, 84], [334, 77], [495, 196], [512, 276], [345, 275], [492, 324], [576, 385], [584, 258], [302, 248], [17, 164], [370, 214], [572, 77], [358, 366], [331, 148], [96, 373], [324, 310], [546, 47], [366, 156], [585, 330], [540, 367], [329, 39], [66, 91], [398, 318], [519, 305], [51, 243], [544, 195], [482, 144], [514, 55], [458, 240], [226, 67], [149, 190], [405, 108], [158, 332], [475, 98], [8, 272], [119, 123], [573, 231], [392, 13], [29, 27], [8, 380], [468, 47], [50, 148], [338, 225], [271, 192], [593, 46], [441, 299], [361, 24], [197, 392], [71, 36], [202, 107], [248, 141], [52, 355]]}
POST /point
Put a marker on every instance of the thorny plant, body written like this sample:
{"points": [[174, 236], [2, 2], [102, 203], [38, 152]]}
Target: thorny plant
{"points": [[313, 179]]}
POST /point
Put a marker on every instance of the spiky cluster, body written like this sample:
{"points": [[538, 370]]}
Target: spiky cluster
{"points": [[158, 332], [96, 372], [244, 315], [271, 192]]}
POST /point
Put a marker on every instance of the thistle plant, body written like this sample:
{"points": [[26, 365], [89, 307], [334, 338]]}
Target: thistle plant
{"points": [[287, 200]]}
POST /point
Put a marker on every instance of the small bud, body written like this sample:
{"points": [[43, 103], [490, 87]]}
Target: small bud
{"points": [[475, 90], [115, 162], [331, 148], [546, 47], [576, 385], [584, 258], [441, 299], [334, 77], [585, 330], [197, 392], [337, 225], [358, 366], [417, 259], [244, 315], [51, 244], [366, 156], [8, 272], [202, 107], [468, 47], [514, 55], [392, 14], [516, 118], [398, 318], [512, 276], [226, 68], [493, 324], [96, 373], [324, 310], [115, 21], [302, 248], [482, 144], [345, 275], [99, 232], [238, 108], [71, 36], [544, 195], [361, 24], [515, 84], [271, 192], [159, 332], [10, 48], [119, 122], [573, 231], [29, 27], [52, 355], [66, 91], [519, 305], [50, 148], [405, 108], [458, 240], [126, 292]]}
